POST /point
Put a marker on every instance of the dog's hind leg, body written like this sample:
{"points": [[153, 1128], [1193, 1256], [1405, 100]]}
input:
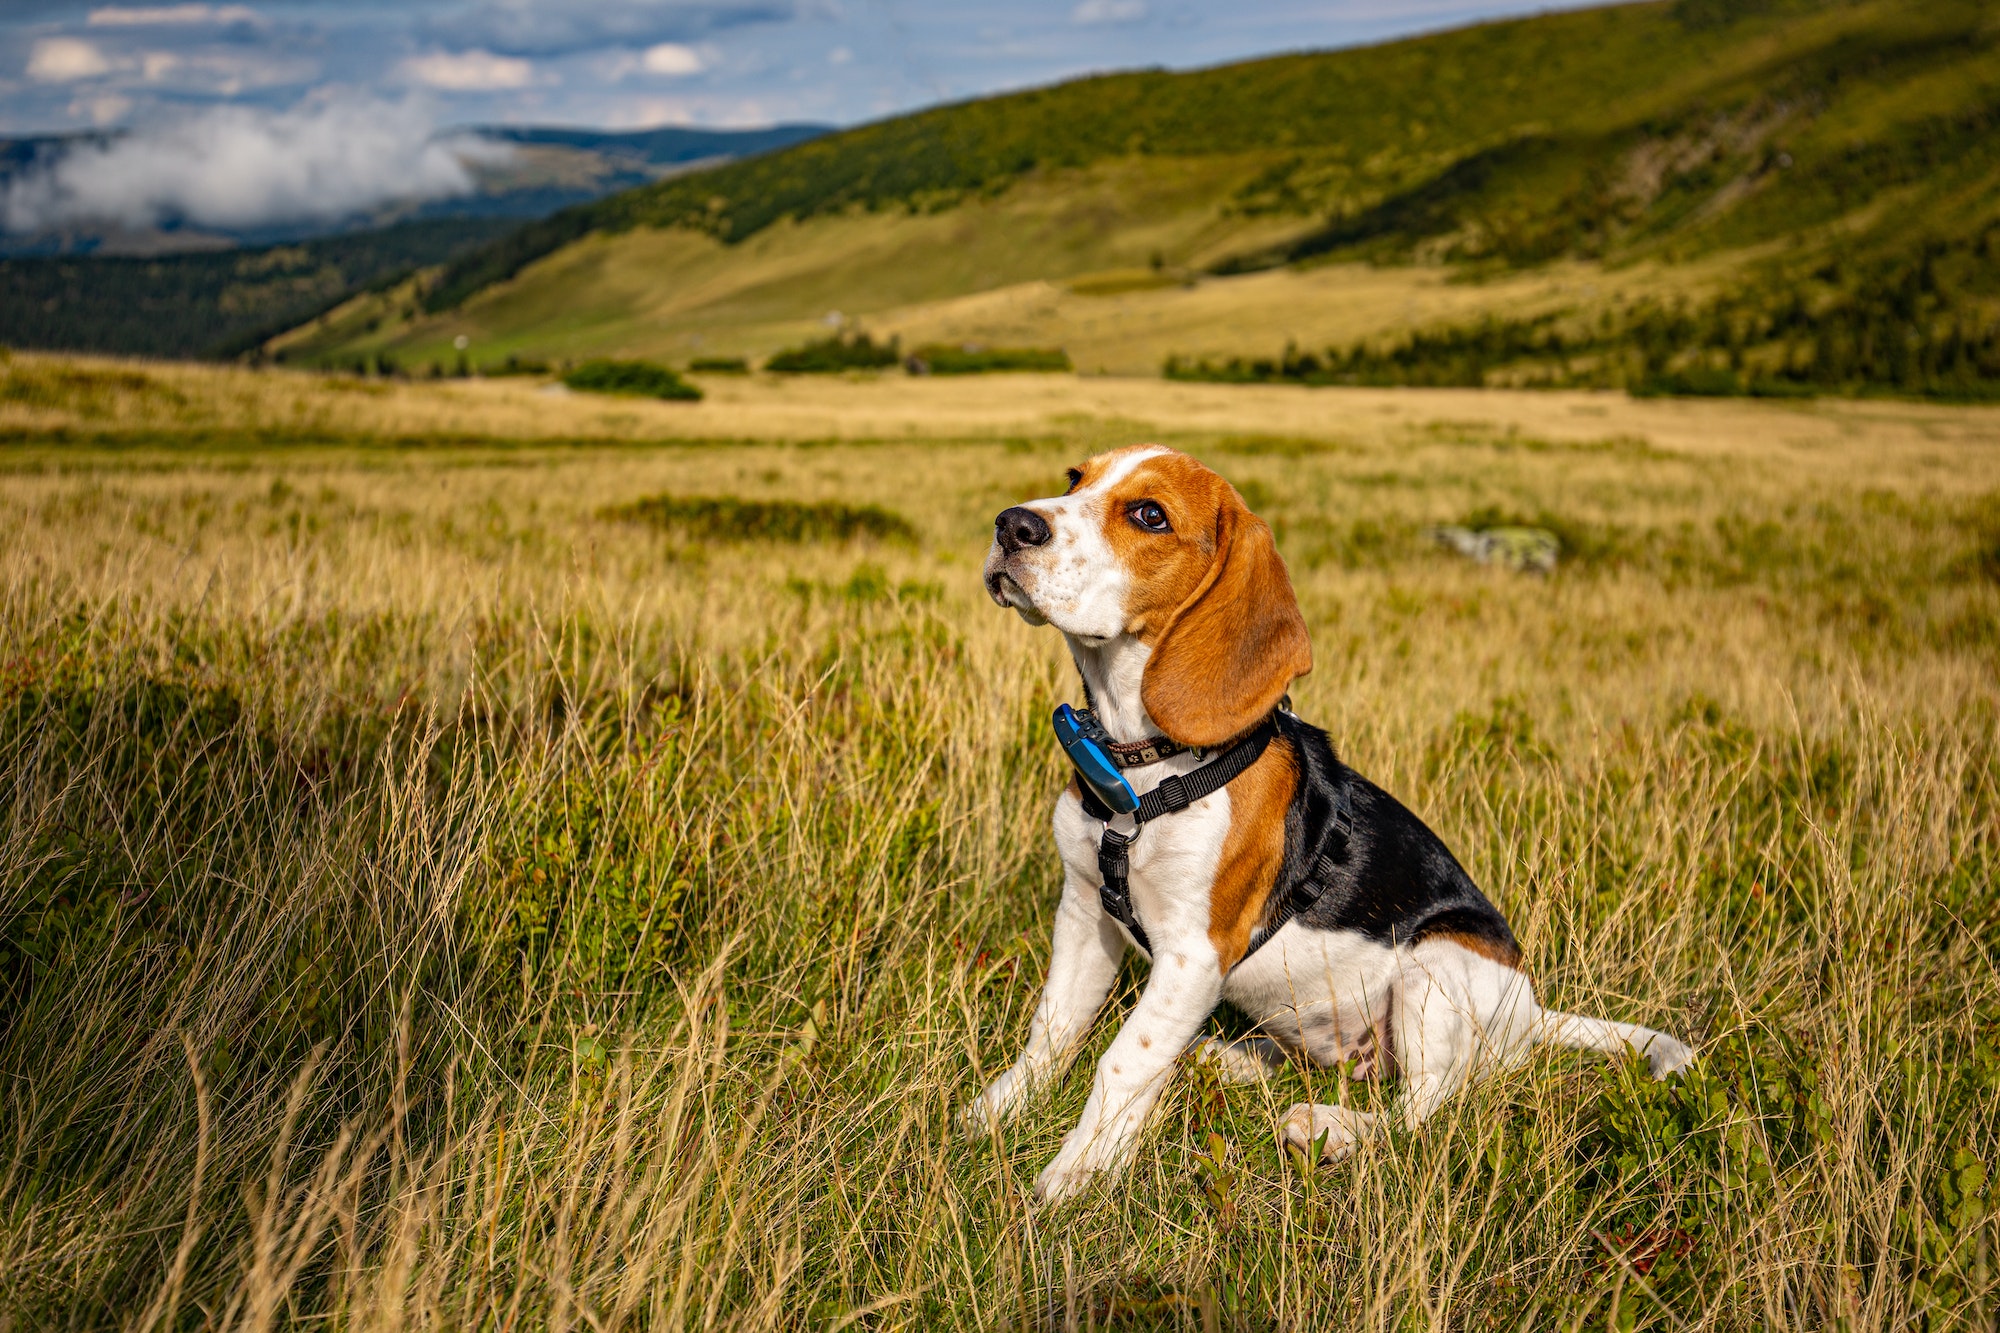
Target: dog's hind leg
{"points": [[1664, 1054], [1454, 1012]]}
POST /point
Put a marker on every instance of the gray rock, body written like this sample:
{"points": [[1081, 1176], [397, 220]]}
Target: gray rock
{"points": [[1523, 550]]}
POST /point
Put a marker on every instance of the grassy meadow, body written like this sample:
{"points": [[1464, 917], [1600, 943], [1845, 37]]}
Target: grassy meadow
{"points": [[441, 889]]}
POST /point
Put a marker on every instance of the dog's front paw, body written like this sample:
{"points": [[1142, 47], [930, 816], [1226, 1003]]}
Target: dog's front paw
{"points": [[990, 1109], [1084, 1157], [1060, 1182], [1666, 1056]]}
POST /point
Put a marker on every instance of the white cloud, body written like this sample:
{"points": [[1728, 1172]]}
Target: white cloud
{"points": [[671, 58], [839, 55], [469, 71], [152, 16], [235, 167], [66, 60], [1108, 11]]}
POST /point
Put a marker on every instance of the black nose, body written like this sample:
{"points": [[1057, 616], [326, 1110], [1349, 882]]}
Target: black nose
{"points": [[1018, 527]]}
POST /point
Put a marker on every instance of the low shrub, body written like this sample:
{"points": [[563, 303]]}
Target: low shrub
{"points": [[639, 379], [830, 356], [972, 359], [727, 518]]}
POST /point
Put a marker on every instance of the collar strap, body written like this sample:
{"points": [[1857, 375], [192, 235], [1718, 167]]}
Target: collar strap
{"points": [[1183, 789], [1135, 754]]}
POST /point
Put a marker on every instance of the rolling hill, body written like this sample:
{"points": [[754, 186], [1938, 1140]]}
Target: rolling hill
{"points": [[1564, 169]]}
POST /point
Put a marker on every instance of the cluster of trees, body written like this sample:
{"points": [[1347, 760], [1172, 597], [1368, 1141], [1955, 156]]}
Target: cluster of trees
{"points": [[1910, 324]]}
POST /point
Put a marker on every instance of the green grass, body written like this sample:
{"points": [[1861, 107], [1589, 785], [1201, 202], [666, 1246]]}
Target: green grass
{"points": [[728, 518], [425, 902]]}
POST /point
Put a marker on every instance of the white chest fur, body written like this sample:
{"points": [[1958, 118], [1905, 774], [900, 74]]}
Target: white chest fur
{"points": [[1174, 861]]}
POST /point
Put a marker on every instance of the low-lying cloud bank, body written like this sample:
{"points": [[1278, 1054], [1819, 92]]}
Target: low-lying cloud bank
{"points": [[236, 168]]}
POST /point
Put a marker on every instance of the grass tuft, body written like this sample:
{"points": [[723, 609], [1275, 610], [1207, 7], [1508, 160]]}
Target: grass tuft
{"points": [[636, 379], [728, 519], [974, 359]]}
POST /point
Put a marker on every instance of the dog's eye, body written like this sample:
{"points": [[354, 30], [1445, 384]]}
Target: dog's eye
{"points": [[1075, 479], [1148, 515]]}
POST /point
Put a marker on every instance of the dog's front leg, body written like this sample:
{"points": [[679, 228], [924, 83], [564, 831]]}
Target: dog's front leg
{"points": [[1083, 964], [1183, 991]]}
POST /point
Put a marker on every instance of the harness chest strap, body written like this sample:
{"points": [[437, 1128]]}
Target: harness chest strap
{"points": [[1177, 793]]}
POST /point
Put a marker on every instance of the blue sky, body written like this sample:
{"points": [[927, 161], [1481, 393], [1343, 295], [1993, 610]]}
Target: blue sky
{"points": [[627, 63]]}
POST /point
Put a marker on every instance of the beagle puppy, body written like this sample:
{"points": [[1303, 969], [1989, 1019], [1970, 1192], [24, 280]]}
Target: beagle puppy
{"points": [[1181, 618]]}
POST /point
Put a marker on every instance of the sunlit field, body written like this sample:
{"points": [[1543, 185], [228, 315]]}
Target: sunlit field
{"points": [[438, 892]]}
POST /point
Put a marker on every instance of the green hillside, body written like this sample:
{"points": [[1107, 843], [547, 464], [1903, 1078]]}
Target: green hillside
{"points": [[1686, 151]]}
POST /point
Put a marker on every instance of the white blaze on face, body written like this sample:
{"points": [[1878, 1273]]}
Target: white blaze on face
{"points": [[1075, 581]]}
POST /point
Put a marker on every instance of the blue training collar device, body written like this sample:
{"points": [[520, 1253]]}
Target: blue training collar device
{"points": [[1083, 739]]}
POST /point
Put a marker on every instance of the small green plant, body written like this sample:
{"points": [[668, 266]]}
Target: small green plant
{"points": [[726, 518], [637, 379], [830, 356]]}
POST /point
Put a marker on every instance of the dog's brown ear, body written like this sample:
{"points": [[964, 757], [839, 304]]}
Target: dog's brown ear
{"points": [[1230, 652]]}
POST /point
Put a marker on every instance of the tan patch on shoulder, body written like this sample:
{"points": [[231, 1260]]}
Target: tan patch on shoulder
{"points": [[1506, 955], [1253, 854]]}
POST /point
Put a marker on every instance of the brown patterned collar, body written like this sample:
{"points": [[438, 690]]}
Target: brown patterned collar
{"points": [[1132, 754]]}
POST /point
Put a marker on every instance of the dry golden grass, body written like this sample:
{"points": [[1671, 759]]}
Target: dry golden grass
{"points": [[428, 903]]}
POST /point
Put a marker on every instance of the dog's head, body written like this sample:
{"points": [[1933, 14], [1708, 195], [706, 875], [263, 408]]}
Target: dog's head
{"points": [[1150, 545]]}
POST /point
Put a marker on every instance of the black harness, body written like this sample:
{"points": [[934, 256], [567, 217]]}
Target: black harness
{"points": [[1177, 793]]}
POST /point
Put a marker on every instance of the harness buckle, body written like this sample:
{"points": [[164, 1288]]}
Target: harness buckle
{"points": [[1173, 794], [1113, 860]]}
